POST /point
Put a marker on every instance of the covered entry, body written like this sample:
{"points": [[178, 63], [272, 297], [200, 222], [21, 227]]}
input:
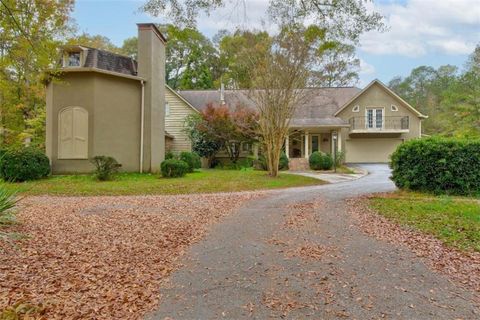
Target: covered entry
{"points": [[370, 149]]}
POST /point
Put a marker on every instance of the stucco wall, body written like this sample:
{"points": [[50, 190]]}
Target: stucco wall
{"points": [[175, 122], [376, 96], [381, 142], [113, 105]]}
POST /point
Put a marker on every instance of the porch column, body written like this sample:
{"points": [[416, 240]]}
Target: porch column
{"points": [[306, 145], [287, 146], [339, 140]]}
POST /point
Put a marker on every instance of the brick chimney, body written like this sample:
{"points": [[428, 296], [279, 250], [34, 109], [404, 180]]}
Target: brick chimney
{"points": [[151, 67]]}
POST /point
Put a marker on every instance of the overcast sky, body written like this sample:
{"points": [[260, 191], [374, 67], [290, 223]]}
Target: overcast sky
{"points": [[421, 32]]}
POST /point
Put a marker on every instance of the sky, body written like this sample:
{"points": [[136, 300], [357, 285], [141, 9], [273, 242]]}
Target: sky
{"points": [[420, 32]]}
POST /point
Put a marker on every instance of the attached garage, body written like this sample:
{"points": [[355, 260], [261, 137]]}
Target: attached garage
{"points": [[370, 150]]}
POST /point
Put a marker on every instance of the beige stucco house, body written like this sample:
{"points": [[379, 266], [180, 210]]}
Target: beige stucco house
{"points": [[108, 104]]}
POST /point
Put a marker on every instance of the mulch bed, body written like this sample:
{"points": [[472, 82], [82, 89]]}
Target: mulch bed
{"points": [[103, 257], [461, 267]]}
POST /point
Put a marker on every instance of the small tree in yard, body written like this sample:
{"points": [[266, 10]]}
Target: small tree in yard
{"points": [[203, 144], [278, 80], [217, 126]]}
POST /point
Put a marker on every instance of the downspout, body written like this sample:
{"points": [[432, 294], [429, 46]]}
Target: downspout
{"points": [[142, 125]]}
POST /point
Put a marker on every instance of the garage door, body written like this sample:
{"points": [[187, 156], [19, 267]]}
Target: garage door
{"points": [[370, 150]]}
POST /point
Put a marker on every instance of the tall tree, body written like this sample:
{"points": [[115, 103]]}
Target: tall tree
{"points": [[30, 33], [93, 41], [129, 47], [277, 85], [236, 52], [191, 59]]}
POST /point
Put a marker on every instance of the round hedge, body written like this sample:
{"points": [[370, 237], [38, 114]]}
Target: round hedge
{"points": [[173, 168], [320, 161], [23, 165], [438, 165], [192, 159]]}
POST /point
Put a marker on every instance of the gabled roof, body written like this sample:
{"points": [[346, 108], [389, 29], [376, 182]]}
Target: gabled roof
{"points": [[319, 109], [180, 97], [389, 91]]}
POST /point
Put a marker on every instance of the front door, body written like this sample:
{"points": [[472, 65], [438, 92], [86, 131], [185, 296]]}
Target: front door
{"points": [[374, 118], [315, 144]]}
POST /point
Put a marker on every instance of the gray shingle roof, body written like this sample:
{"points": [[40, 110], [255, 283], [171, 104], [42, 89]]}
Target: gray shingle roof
{"points": [[321, 105], [105, 60]]}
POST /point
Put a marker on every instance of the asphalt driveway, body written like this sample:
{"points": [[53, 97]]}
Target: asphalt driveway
{"points": [[295, 254]]}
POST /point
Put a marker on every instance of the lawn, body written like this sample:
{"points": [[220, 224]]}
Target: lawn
{"points": [[453, 220], [202, 181]]}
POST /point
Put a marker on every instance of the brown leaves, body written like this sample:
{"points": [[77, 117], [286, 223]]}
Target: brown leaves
{"points": [[462, 267], [104, 257]]}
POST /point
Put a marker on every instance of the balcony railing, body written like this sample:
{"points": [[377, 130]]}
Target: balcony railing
{"points": [[386, 124]]}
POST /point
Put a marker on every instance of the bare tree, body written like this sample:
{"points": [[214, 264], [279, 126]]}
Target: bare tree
{"points": [[278, 82]]}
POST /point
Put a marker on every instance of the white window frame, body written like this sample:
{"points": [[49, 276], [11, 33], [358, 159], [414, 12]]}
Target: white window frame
{"points": [[66, 57], [356, 108], [374, 119], [167, 109], [394, 108]]}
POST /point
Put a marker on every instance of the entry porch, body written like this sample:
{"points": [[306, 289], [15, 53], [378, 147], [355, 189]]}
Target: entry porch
{"points": [[301, 142]]}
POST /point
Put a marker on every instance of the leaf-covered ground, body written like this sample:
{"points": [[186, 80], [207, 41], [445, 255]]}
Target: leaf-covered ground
{"points": [[103, 257], [460, 266]]}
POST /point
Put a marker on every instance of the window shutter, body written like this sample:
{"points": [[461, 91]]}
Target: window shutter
{"points": [[73, 133]]}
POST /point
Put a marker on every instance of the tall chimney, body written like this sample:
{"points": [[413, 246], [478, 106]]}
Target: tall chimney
{"points": [[151, 67]]}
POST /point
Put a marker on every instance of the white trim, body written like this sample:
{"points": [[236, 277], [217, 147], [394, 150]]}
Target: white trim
{"points": [[181, 98], [376, 81], [356, 108], [393, 108], [374, 120]]}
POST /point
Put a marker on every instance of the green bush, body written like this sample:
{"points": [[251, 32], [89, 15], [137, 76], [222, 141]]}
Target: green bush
{"points": [[173, 168], [170, 155], [438, 165], [105, 167], [261, 163], [192, 159], [320, 161], [24, 164]]}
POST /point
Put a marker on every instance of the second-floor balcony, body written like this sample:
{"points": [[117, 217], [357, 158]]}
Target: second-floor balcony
{"points": [[372, 124]]}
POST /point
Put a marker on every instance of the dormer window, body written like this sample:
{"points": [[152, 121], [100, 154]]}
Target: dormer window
{"points": [[72, 59], [356, 108]]}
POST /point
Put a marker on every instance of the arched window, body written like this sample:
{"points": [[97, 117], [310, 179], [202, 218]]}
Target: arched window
{"points": [[356, 108], [73, 133]]}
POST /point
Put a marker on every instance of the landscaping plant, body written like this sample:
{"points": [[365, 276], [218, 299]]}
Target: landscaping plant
{"points": [[173, 168], [261, 163], [7, 202], [191, 159], [320, 161], [438, 165], [24, 164], [105, 167]]}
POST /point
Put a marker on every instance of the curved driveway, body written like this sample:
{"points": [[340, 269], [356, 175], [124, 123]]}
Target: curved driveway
{"points": [[244, 268]]}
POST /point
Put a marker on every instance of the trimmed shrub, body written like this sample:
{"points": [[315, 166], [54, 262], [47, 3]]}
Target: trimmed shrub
{"points": [[192, 159], [173, 168], [24, 164], [438, 165], [105, 167], [320, 161]]}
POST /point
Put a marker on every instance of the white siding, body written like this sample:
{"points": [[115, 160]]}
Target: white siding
{"points": [[175, 121]]}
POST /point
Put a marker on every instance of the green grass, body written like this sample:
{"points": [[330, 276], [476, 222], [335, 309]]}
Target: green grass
{"points": [[453, 220], [202, 181]]}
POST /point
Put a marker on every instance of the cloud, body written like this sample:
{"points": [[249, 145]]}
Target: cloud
{"points": [[420, 27], [366, 68]]}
